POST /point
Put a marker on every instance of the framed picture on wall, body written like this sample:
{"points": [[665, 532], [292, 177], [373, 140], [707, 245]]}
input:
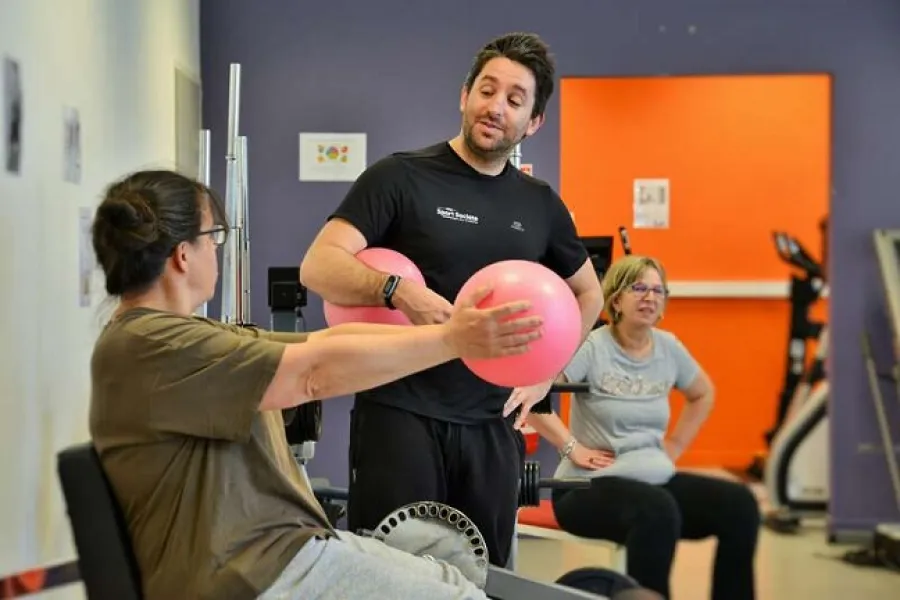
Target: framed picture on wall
{"points": [[332, 156]]}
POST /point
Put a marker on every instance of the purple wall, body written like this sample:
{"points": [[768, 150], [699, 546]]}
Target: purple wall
{"points": [[393, 68]]}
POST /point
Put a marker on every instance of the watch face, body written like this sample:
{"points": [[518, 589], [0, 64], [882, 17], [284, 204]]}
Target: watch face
{"points": [[389, 286]]}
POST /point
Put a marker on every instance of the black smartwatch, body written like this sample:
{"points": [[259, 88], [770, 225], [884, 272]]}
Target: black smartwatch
{"points": [[387, 292]]}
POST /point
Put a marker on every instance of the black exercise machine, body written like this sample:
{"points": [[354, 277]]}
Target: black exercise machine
{"points": [[805, 290], [600, 251], [795, 468]]}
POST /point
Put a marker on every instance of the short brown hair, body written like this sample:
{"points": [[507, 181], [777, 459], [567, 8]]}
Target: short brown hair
{"points": [[527, 49]]}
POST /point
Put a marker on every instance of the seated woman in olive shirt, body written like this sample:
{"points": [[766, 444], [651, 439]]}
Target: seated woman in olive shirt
{"points": [[186, 414]]}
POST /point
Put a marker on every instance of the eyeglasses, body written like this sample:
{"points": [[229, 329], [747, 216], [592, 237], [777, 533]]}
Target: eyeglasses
{"points": [[218, 234], [640, 287]]}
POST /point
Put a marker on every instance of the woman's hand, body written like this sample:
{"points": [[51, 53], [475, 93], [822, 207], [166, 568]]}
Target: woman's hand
{"points": [[588, 458]]}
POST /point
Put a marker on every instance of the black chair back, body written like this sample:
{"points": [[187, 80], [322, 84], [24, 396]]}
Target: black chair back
{"points": [[105, 558]]}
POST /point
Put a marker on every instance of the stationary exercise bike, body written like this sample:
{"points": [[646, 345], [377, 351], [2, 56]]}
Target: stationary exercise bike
{"points": [[796, 470], [805, 291]]}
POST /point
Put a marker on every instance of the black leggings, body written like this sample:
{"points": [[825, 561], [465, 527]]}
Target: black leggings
{"points": [[650, 519]]}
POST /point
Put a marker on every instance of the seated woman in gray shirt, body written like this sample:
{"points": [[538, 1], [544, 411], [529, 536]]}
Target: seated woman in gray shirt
{"points": [[618, 439]]}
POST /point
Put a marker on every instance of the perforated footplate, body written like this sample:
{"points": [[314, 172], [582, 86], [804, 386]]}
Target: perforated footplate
{"points": [[432, 529]]}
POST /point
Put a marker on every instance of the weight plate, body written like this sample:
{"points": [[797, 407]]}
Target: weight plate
{"points": [[439, 531]]}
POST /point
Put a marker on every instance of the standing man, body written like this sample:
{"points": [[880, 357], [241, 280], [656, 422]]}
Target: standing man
{"points": [[452, 208]]}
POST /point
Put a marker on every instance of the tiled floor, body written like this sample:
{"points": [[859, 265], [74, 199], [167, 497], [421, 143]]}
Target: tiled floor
{"points": [[789, 567]]}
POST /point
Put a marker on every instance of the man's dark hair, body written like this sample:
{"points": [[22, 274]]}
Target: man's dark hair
{"points": [[141, 219], [528, 50]]}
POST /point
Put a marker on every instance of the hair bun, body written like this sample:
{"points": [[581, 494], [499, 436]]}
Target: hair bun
{"points": [[131, 222]]}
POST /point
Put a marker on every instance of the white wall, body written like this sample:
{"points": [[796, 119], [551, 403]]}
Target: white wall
{"points": [[114, 61]]}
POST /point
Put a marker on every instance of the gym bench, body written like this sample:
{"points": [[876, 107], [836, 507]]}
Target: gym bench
{"points": [[540, 522]]}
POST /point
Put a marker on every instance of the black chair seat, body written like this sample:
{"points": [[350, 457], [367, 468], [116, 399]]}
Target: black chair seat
{"points": [[105, 558]]}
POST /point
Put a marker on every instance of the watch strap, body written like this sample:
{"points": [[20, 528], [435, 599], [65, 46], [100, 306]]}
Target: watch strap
{"points": [[387, 292]]}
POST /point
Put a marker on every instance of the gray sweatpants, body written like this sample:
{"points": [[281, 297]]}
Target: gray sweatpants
{"points": [[359, 567]]}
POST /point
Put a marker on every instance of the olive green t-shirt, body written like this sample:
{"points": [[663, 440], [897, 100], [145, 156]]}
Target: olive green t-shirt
{"points": [[215, 503]]}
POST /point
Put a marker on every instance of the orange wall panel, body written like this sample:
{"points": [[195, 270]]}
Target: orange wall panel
{"points": [[745, 155]]}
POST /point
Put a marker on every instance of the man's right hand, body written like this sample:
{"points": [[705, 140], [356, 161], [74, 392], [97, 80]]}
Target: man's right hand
{"points": [[491, 332], [421, 305]]}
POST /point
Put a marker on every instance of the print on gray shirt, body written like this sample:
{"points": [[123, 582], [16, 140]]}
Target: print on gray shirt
{"points": [[627, 408]]}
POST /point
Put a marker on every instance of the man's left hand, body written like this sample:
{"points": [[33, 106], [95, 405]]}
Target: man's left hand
{"points": [[524, 398]]}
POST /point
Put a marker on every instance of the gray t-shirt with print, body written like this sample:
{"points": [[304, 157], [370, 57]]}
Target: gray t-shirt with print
{"points": [[627, 407]]}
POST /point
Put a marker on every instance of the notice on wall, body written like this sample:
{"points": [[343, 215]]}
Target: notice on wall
{"points": [[527, 168], [71, 145], [332, 156], [13, 111], [651, 204], [86, 260]]}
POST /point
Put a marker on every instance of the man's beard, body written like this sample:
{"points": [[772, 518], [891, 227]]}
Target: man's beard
{"points": [[500, 150]]}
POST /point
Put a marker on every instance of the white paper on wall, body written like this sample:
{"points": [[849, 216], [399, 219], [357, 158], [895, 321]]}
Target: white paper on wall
{"points": [[332, 156], [13, 115], [71, 145], [86, 261], [651, 203]]}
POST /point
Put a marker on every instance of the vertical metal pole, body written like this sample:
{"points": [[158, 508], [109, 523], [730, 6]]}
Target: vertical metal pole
{"points": [[203, 171], [516, 157], [244, 220], [204, 156], [231, 299]]}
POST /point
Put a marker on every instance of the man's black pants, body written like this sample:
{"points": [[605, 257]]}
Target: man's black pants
{"points": [[398, 457]]}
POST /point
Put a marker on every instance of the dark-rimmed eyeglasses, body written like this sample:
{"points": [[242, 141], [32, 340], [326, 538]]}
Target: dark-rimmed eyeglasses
{"points": [[218, 234]]}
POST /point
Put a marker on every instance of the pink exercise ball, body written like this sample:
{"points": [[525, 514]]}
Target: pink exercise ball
{"points": [[386, 261], [552, 299]]}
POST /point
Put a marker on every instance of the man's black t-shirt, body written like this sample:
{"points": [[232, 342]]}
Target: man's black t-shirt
{"points": [[451, 221]]}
